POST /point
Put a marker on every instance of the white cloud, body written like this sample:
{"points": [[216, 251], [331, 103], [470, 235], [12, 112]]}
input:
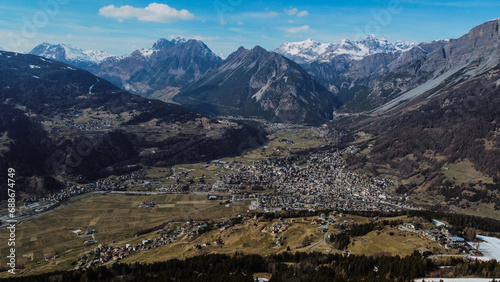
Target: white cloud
{"points": [[303, 13], [271, 14], [297, 29], [240, 23], [292, 11], [295, 11], [261, 15], [205, 38], [154, 12], [196, 37]]}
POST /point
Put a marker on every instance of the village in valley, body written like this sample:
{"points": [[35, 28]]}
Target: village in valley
{"points": [[251, 194], [317, 180]]}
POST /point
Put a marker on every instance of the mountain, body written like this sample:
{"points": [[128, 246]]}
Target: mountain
{"points": [[305, 52], [71, 55], [61, 122], [260, 83], [159, 71], [360, 83], [389, 81], [444, 114]]}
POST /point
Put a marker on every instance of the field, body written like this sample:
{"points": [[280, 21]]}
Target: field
{"points": [[391, 241], [115, 217], [464, 172], [246, 238]]}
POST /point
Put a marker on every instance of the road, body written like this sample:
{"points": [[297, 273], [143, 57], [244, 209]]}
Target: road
{"points": [[435, 256], [318, 244]]}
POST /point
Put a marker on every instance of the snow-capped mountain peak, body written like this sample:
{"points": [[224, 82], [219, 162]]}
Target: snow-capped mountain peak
{"points": [[147, 52], [68, 53], [303, 51], [97, 56], [179, 40], [309, 50]]}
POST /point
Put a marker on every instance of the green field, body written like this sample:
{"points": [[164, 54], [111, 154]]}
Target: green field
{"points": [[464, 172]]}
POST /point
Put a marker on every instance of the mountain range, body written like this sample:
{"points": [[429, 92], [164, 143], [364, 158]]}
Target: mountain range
{"points": [[66, 53], [368, 76], [157, 71], [436, 107], [176, 66], [308, 51]]}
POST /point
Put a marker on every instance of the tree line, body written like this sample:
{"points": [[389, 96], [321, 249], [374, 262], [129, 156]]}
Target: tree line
{"points": [[283, 267]]}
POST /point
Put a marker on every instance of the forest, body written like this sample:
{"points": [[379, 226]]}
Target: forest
{"points": [[283, 267]]}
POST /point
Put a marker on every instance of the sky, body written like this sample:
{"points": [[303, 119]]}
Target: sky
{"points": [[120, 27]]}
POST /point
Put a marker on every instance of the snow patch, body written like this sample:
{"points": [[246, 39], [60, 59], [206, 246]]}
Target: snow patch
{"points": [[34, 67], [96, 56], [37, 77], [490, 248], [497, 83], [90, 88], [147, 52]]}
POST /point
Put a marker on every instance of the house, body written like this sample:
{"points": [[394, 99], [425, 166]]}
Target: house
{"points": [[89, 243], [214, 197], [455, 241], [90, 232]]}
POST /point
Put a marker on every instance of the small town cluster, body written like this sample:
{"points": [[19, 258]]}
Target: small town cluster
{"points": [[445, 235], [105, 254]]}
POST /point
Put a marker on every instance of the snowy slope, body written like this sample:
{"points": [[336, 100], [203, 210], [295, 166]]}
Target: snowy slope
{"points": [[304, 51], [490, 247], [68, 53], [309, 50]]}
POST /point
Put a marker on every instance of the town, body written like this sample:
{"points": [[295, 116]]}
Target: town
{"points": [[316, 180]]}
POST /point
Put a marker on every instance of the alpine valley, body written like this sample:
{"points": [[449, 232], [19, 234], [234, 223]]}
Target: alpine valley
{"points": [[364, 160]]}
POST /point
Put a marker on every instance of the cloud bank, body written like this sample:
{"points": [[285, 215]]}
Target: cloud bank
{"points": [[154, 12]]}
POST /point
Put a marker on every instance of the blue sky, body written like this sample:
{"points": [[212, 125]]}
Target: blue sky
{"points": [[120, 27]]}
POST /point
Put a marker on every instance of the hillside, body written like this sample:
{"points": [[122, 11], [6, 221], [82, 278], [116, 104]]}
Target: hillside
{"points": [[441, 137], [59, 122]]}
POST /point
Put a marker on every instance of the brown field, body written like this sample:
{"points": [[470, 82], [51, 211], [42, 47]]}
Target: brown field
{"points": [[115, 217]]}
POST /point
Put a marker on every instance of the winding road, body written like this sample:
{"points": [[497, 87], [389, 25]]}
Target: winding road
{"points": [[318, 244]]}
